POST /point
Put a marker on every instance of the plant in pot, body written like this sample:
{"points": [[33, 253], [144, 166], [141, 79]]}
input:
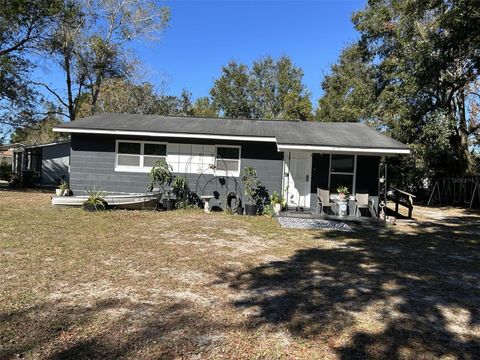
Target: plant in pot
{"points": [[342, 192], [65, 188], [185, 197], [277, 201], [250, 183], [62, 186], [161, 176], [95, 201]]}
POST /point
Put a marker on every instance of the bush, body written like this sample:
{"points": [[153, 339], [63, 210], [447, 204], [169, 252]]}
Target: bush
{"points": [[95, 200], [186, 198], [5, 171]]}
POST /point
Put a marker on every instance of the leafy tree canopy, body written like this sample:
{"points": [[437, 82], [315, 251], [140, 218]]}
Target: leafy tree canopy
{"points": [[24, 26], [414, 72], [270, 89]]}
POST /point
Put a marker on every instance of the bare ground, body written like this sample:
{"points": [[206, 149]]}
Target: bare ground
{"points": [[188, 285]]}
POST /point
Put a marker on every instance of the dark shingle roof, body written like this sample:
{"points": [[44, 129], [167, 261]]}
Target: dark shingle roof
{"points": [[285, 132]]}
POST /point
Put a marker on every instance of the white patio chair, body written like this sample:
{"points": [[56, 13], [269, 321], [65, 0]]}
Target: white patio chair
{"points": [[323, 200], [362, 201]]}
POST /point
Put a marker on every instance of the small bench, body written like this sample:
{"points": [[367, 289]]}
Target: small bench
{"points": [[403, 198], [206, 200]]}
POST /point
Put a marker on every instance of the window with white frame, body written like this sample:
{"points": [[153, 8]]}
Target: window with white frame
{"points": [[190, 158], [139, 155], [227, 160], [342, 172]]}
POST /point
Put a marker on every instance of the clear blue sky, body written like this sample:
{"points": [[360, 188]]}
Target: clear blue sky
{"points": [[205, 35]]}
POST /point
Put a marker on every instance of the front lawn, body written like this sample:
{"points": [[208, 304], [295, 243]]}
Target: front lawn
{"points": [[190, 285]]}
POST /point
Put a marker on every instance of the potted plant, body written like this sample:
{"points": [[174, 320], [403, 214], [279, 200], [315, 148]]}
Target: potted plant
{"points": [[276, 200], [95, 201], [62, 186], [65, 189], [161, 175], [342, 192], [250, 183]]}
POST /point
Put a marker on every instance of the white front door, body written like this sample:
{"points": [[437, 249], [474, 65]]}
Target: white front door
{"points": [[298, 167]]}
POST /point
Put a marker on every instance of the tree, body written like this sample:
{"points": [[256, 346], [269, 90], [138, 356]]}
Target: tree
{"points": [[230, 92], [24, 24], [203, 107], [276, 90], [121, 96], [91, 44], [428, 52], [271, 89], [350, 89], [39, 132], [412, 72]]}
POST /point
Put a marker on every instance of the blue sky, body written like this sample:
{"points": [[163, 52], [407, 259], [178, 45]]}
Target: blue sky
{"points": [[205, 35]]}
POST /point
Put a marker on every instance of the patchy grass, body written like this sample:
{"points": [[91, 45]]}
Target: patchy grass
{"points": [[192, 285]]}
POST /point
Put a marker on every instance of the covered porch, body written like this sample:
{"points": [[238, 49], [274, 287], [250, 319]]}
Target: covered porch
{"points": [[311, 181]]}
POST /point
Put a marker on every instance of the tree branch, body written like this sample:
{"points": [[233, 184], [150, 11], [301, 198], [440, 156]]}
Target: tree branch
{"points": [[52, 92]]}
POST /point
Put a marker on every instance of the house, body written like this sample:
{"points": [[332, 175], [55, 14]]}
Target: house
{"points": [[115, 152], [42, 164], [6, 156]]}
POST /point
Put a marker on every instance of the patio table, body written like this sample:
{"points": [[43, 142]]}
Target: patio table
{"points": [[342, 204]]}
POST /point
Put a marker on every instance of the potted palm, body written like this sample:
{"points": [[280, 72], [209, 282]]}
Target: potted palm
{"points": [[62, 188], [342, 192], [250, 183], [65, 188], [95, 201], [161, 176], [276, 200]]}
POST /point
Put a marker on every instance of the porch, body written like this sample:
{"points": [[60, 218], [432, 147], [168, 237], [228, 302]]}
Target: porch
{"points": [[306, 174]]}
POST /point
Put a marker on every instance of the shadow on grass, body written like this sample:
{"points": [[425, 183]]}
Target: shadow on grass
{"points": [[409, 287], [57, 331]]}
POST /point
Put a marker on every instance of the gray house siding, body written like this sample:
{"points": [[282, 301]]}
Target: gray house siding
{"points": [[92, 164], [55, 162]]}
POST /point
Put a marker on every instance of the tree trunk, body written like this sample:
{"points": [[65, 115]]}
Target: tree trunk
{"points": [[459, 142], [71, 105]]}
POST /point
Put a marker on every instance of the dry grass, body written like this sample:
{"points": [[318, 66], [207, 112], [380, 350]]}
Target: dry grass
{"points": [[189, 285]]}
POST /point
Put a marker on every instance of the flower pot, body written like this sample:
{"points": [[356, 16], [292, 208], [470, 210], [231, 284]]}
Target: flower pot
{"points": [[251, 210], [277, 208], [239, 210], [168, 204], [66, 192], [341, 196], [59, 192]]}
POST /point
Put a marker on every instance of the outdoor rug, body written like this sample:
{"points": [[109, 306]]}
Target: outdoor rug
{"points": [[299, 223]]}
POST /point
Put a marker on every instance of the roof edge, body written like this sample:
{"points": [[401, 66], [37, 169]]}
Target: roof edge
{"points": [[345, 149], [164, 134]]}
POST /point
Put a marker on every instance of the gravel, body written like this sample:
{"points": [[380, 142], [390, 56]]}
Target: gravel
{"points": [[299, 223]]}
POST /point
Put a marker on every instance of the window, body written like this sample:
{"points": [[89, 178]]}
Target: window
{"points": [[227, 160], [139, 156], [342, 172], [191, 159]]}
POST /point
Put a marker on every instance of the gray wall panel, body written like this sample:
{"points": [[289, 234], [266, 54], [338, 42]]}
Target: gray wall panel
{"points": [[55, 161], [92, 164]]}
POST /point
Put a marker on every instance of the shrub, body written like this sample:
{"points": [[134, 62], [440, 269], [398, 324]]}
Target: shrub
{"points": [[95, 200], [5, 171]]}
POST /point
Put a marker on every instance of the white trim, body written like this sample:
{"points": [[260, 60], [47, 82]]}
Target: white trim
{"points": [[229, 173], [167, 134], [343, 149]]}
